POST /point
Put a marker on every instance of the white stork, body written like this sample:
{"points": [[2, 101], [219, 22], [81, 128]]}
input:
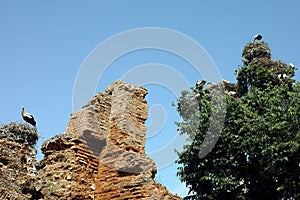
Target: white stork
{"points": [[202, 82], [28, 117], [231, 93], [284, 76], [197, 96], [257, 37]]}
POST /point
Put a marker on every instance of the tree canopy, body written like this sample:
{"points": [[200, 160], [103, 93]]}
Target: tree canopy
{"points": [[257, 155]]}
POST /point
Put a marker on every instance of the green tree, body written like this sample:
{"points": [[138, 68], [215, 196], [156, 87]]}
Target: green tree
{"points": [[257, 155]]}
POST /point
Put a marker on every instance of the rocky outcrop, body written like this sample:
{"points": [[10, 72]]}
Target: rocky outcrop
{"points": [[101, 155]]}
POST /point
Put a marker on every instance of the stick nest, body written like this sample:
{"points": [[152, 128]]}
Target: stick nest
{"points": [[21, 133]]}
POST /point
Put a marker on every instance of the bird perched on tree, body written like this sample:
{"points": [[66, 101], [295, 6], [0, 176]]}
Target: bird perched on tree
{"points": [[257, 37], [283, 76], [231, 93], [197, 96], [28, 117], [199, 88], [202, 82]]}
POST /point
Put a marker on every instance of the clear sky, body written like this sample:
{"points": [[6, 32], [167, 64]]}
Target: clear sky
{"points": [[44, 43]]}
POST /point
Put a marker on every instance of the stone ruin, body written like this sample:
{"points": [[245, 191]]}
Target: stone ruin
{"points": [[101, 155]]}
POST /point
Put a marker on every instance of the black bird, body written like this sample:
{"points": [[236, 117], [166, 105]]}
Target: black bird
{"points": [[28, 117], [257, 37]]}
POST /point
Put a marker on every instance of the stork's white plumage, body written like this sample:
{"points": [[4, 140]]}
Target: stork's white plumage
{"points": [[257, 37], [231, 93], [292, 65], [197, 96], [283, 76], [200, 82], [225, 81], [28, 117]]}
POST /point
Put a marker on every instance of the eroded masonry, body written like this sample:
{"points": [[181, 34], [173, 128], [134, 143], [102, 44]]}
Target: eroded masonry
{"points": [[101, 155]]}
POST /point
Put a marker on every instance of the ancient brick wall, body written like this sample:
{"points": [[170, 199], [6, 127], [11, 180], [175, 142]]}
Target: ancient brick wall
{"points": [[101, 155]]}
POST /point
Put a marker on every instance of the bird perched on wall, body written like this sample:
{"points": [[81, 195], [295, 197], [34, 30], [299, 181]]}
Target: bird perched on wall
{"points": [[257, 37], [28, 117]]}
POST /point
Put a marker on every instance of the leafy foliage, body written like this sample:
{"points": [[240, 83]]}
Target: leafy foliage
{"points": [[258, 153]]}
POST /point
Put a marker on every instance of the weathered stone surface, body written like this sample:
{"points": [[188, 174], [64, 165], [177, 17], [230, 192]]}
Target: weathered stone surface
{"points": [[68, 169], [101, 155]]}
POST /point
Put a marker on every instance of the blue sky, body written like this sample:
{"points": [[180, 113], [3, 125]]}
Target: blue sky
{"points": [[44, 43]]}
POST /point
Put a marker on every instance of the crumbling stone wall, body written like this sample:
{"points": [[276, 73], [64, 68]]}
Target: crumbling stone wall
{"points": [[101, 155], [67, 170]]}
